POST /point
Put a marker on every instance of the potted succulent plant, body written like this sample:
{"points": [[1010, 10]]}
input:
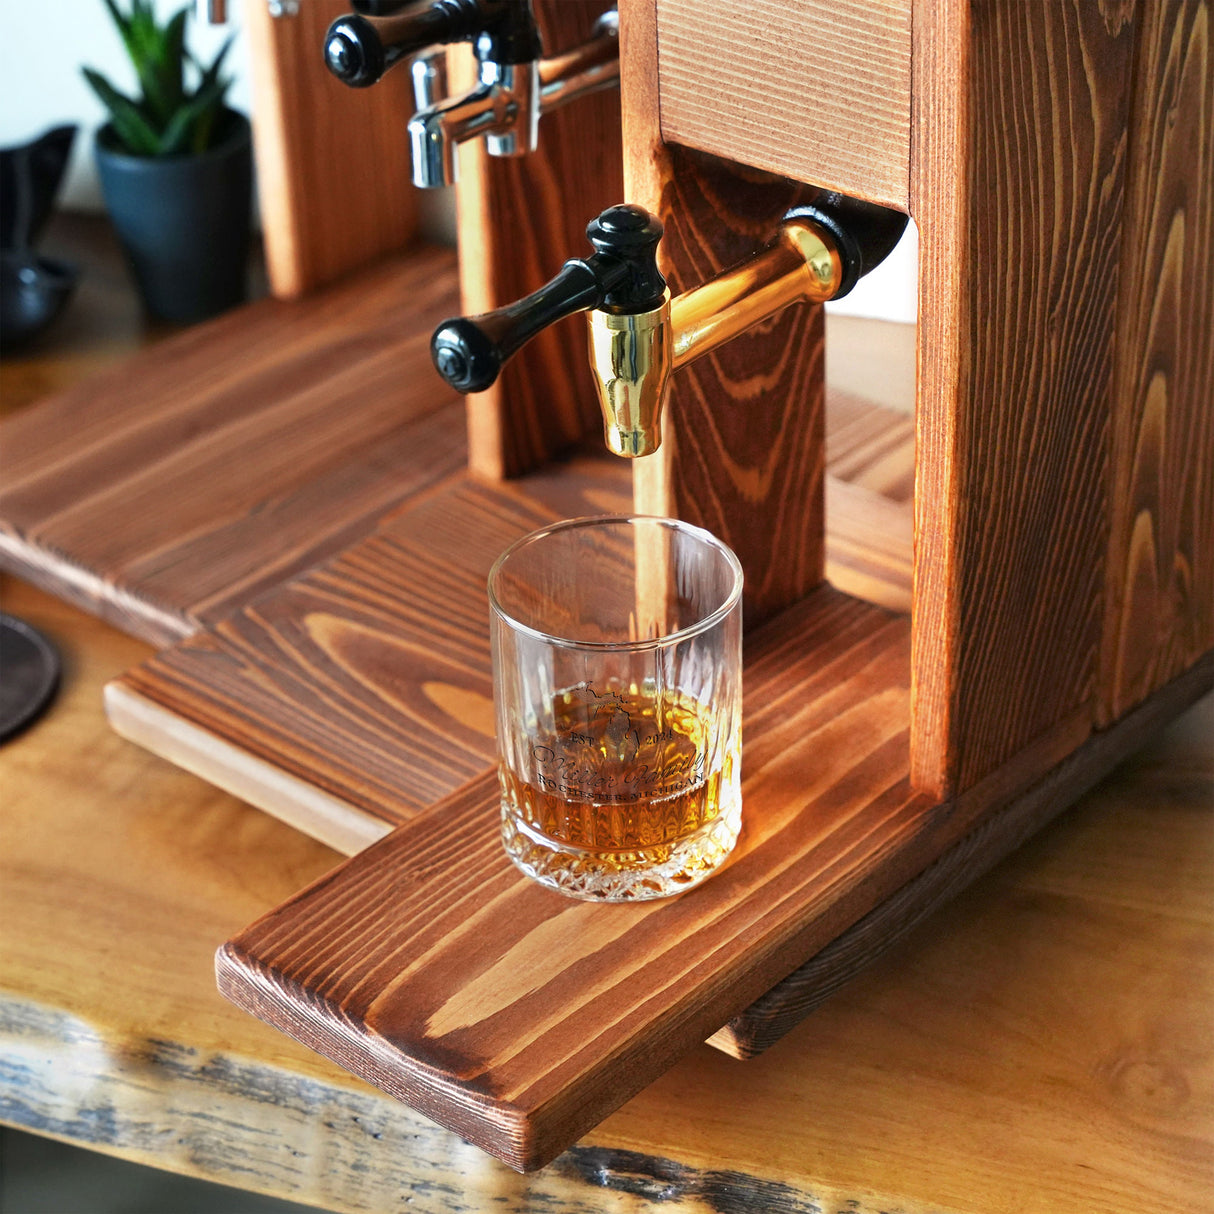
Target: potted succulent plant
{"points": [[176, 169]]}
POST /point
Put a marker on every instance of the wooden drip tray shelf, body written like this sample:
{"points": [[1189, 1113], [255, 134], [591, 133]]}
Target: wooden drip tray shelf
{"points": [[520, 1018]]}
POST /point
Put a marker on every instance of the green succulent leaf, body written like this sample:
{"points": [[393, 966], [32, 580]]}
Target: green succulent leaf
{"points": [[191, 127], [168, 118], [132, 128], [161, 73]]}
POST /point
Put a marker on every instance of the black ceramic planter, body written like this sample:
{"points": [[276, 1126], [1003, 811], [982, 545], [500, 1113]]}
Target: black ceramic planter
{"points": [[183, 221]]}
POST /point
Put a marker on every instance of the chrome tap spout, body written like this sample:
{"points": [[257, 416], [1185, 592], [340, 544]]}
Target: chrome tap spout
{"points": [[504, 108]]}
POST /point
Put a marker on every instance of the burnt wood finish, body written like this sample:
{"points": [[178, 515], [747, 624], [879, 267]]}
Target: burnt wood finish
{"points": [[169, 490], [333, 171], [1159, 607], [519, 220], [518, 1018], [742, 452], [366, 679], [354, 695], [1017, 184], [816, 91]]}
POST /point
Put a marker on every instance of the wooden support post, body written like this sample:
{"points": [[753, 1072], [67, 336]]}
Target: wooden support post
{"points": [[744, 430], [519, 220], [1017, 183], [1159, 584], [333, 175]]}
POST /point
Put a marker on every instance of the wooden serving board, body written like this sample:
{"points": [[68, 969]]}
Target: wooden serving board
{"points": [[518, 1018], [220, 462], [359, 692], [356, 695]]}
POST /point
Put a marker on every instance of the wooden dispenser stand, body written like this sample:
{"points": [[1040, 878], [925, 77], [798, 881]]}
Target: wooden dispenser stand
{"points": [[1058, 161]]}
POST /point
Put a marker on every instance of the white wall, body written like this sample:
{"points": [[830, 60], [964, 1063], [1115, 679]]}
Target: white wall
{"points": [[43, 47], [888, 293], [45, 42]]}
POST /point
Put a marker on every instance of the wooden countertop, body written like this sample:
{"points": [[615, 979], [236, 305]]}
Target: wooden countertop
{"points": [[1042, 1044]]}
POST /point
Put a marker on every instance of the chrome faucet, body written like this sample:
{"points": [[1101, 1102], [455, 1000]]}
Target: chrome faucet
{"points": [[504, 108], [515, 86]]}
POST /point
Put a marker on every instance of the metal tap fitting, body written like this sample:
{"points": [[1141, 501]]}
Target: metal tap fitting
{"points": [[638, 335], [504, 109], [515, 85]]}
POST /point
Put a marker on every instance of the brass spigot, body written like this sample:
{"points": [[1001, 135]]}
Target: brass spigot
{"points": [[638, 335]]}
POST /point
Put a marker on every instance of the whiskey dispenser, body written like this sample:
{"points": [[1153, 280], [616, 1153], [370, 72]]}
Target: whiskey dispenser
{"points": [[638, 334], [515, 84]]}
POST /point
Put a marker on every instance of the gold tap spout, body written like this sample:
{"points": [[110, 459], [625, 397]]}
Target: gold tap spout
{"points": [[638, 336], [801, 264], [633, 354], [632, 357]]}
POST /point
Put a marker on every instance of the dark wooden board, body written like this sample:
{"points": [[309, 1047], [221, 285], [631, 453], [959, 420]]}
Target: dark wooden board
{"points": [[1159, 588], [368, 677], [1017, 181], [519, 1018], [359, 692], [166, 492]]}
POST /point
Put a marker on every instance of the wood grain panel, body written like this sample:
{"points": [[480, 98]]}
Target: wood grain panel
{"points": [[180, 484], [871, 445], [1159, 614], [742, 450], [355, 694], [817, 91], [333, 170], [561, 1010], [519, 221], [364, 684], [1017, 187], [518, 1018], [869, 545]]}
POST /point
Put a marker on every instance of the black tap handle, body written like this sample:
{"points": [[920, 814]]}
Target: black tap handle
{"points": [[622, 276], [380, 8], [359, 51]]}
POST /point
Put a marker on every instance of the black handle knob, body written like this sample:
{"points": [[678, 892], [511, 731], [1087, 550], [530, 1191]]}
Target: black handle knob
{"points": [[380, 8], [359, 51], [355, 53], [621, 275]]}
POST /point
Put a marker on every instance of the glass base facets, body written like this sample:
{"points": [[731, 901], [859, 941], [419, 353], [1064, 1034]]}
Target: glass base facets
{"points": [[630, 876]]}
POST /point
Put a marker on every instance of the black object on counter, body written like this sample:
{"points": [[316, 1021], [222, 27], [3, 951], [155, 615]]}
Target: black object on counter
{"points": [[29, 674], [183, 221], [33, 289]]}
